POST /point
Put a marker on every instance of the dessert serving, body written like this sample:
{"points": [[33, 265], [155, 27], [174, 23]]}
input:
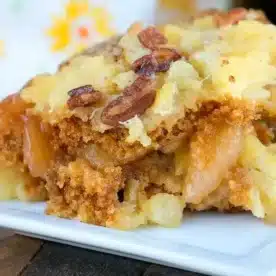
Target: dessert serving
{"points": [[138, 129]]}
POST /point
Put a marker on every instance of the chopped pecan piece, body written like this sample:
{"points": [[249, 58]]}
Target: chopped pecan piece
{"points": [[145, 66], [158, 61], [222, 18], [164, 57], [83, 96], [134, 101], [151, 38]]}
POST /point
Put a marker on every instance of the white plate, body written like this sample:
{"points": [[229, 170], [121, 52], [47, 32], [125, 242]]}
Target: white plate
{"points": [[211, 243]]}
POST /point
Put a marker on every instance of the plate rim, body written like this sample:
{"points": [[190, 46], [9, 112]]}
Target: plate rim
{"points": [[118, 242]]}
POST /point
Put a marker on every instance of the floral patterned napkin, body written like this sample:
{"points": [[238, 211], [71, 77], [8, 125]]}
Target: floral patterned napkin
{"points": [[36, 35]]}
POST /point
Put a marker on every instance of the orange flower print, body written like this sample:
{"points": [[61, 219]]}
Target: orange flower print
{"points": [[82, 25]]}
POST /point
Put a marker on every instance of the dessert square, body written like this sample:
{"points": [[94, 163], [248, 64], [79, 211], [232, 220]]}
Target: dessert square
{"points": [[162, 119]]}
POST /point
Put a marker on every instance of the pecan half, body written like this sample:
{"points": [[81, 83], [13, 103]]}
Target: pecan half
{"points": [[151, 38], [134, 101], [83, 96], [158, 61]]}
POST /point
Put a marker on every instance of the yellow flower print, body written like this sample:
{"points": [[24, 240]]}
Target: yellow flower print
{"points": [[82, 25]]}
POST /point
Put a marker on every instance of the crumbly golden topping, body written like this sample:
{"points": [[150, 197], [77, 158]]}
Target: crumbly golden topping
{"points": [[213, 57]]}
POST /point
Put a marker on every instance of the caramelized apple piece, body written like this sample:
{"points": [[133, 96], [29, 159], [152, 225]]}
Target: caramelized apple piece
{"points": [[13, 104], [37, 149], [210, 159], [11, 108]]}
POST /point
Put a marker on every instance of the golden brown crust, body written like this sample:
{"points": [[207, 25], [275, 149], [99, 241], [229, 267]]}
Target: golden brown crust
{"points": [[77, 190], [11, 153], [74, 134]]}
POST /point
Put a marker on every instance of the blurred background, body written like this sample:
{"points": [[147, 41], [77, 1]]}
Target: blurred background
{"points": [[35, 35]]}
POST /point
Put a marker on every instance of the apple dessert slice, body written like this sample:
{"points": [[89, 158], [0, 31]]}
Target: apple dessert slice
{"points": [[144, 126]]}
